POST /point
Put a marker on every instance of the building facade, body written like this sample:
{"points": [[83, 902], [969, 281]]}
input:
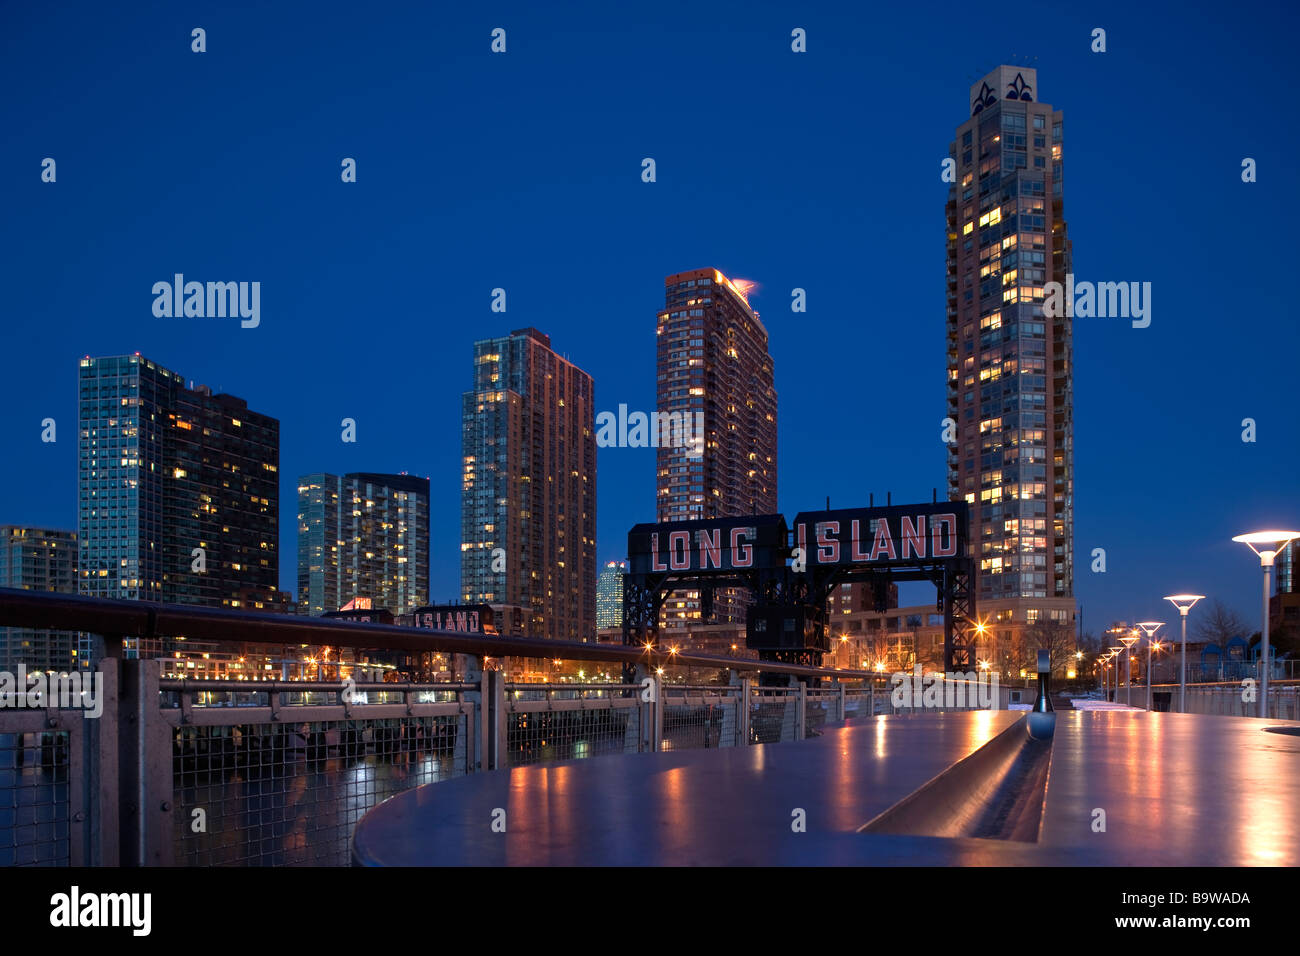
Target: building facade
{"points": [[609, 595], [528, 495], [713, 364], [363, 535], [1010, 367], [178, 490], [38, 559], [1284, 604]]}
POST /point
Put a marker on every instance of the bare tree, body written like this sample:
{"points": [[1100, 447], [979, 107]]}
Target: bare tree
{"points": [[1218, 624], [1052, 636]]}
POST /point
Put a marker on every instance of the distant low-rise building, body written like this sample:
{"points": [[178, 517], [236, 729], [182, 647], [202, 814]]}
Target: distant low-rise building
{"points": [[38, 559]]}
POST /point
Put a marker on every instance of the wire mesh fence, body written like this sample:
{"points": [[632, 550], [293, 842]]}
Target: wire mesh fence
{"points": [[773, 714], [863, 703], [820, 708], [290, 793], [1238, 701], [553, 730], [700, 718], [34, 799]]}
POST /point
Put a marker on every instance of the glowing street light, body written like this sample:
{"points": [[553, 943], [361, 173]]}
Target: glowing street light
{"points": [[1149, 628], [1269, 544], [1184, 603], [1128, 641]]}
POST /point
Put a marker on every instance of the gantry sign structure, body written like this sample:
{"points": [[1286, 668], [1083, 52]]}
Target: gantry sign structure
{"points": [[790, 571]]}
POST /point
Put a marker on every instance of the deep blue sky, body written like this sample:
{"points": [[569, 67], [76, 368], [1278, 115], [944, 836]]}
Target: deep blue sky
{"points": [[522, 171]]}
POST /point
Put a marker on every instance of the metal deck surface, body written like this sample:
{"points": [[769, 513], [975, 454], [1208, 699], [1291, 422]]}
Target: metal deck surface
{"points": [[1177, 790]]}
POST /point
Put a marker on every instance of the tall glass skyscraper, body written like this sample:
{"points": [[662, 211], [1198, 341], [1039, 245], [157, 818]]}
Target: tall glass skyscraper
{"points": [[363, 535], [38, 559], [609, 594], [528, 498], [178, 490], [713, 364], [1010, 367]]}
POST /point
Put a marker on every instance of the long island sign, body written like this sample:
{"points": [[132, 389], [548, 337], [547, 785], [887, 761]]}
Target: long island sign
{"points": [[893, 535]]}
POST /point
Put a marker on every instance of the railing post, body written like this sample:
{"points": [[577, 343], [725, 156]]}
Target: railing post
{"points": [[742, 686], [800, 708], [146, 801], [496, 720], [650, 713], [843, 697], [484, 756], [94, 775], [657, 715]]}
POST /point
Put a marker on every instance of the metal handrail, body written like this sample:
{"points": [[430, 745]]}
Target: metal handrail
{"points": [[184, 684], [117, 618]]}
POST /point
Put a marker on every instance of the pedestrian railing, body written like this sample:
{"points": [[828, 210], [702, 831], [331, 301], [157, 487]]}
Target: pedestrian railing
{"points": [[1231, 699], [221, 772]]}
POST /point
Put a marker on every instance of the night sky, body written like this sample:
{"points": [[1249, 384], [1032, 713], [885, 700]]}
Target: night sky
{"points": [[523, 171]]}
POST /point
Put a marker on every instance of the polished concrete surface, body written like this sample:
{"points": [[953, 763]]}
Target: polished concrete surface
{"points": [[1176, 790]]}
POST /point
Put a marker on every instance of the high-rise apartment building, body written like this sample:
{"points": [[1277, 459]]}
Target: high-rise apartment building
{"points": [[713, 364], [528, 498], [178, 490], [609, 594], [38, 559], [1010, 367], [363, 536]]}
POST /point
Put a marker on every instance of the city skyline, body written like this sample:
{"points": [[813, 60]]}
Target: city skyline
{"points": [[646, 437], [1153, 401]]}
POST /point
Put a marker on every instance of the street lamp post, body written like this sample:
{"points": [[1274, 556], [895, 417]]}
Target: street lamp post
{"points": [[1270, 543], [1128, 642], [1114, 656], [1149, 628], [1184, 603]]}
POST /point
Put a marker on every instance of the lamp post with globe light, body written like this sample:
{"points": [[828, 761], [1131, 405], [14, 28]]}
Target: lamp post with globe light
{"points": [[1184, 603], [1266, 544]]}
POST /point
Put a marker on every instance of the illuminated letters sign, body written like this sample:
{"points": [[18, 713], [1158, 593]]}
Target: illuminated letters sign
{"points": [[716, 544], [468, 619], [902, 534]]}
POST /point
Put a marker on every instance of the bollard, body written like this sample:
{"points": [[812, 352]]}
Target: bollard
{"points": [[1043, 705], [1041, 722]]}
